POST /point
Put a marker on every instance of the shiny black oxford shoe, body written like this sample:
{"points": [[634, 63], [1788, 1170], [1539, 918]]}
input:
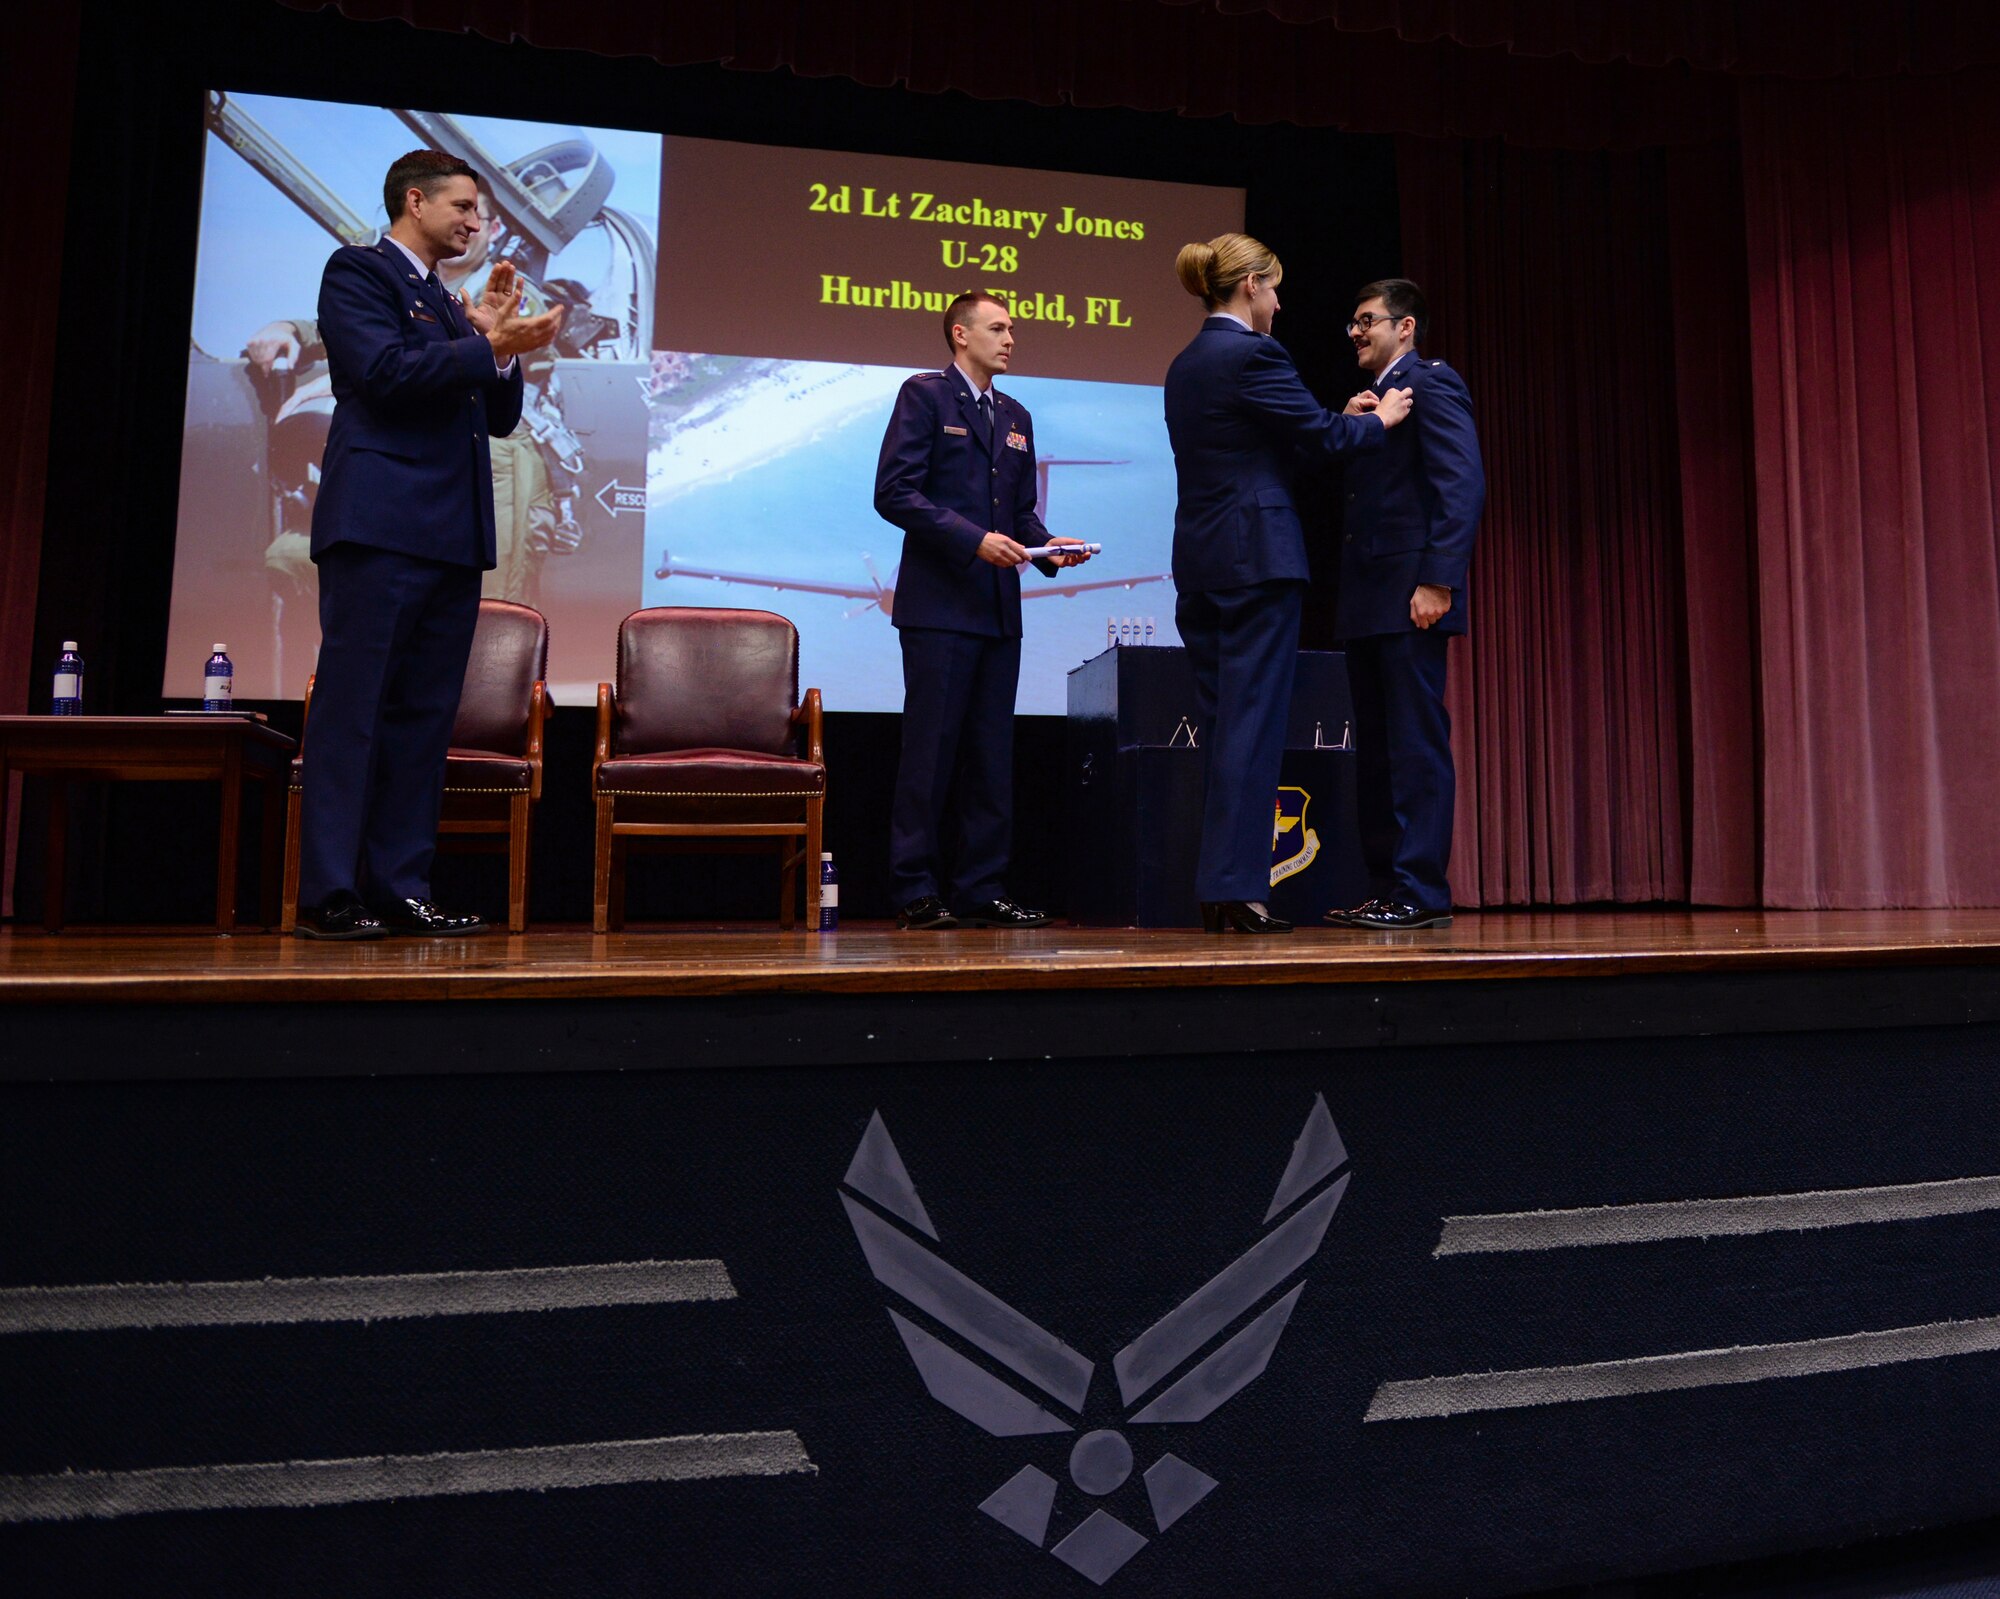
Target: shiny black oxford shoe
{"points": [[421, 919], [926, 911], [1002, 913], [1244, 916], [1345, 918], [1392, 916], [339, 916]]}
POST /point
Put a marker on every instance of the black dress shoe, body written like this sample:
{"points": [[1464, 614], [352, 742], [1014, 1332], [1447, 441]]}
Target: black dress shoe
{"points": [[1341, 918], [423, 919], [1245, 916], [1396, 917], [1002, 913], [340, 916], [926, 911]]}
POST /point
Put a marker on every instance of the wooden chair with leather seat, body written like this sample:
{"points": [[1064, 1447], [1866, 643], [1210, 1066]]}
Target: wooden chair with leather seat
{"points": [[493, 775], [704, 743]]}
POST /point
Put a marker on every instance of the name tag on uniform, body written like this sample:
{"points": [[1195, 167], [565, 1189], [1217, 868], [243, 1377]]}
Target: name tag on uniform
{"points": [[957, 433], [419, 314], [1017, 441]]}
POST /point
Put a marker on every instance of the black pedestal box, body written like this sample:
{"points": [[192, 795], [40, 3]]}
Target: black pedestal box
{"points": [[1135, 752]]}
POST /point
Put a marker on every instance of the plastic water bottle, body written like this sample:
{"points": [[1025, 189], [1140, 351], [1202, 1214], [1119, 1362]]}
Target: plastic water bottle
{"points": [[1149, 630], [218, 682], [69, 681], [829, 893], [1111, 632]]}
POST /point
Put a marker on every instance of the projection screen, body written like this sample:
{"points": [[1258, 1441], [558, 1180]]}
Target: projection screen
{"points": [[705, 433]]}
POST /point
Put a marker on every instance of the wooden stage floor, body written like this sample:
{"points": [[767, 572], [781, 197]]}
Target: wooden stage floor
{"points": [[84, 966]]}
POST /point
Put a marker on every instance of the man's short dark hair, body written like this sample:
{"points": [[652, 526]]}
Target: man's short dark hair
{"points": [[428, 170], [959, 313], [1400, 298]]}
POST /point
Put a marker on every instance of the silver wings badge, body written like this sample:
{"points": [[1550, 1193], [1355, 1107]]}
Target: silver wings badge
{"points": [[1194, 1359]]}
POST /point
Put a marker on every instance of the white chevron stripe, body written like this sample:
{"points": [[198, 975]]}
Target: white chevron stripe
{"points": [[98, 1306], [1417, 1398], [300, 1484], [1712, 1218]]}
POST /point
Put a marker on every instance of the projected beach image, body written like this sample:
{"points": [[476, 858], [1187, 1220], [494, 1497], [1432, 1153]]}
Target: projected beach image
{"points": [[760, 494]]}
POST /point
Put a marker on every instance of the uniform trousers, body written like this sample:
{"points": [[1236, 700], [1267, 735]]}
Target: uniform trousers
{"points": [[958, 745], [395, 635], [1244, 647], [1406, 787]]}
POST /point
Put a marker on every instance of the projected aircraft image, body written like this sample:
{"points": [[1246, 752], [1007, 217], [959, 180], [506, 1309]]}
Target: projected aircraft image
{"points": [[285, 182], [761, 476]]}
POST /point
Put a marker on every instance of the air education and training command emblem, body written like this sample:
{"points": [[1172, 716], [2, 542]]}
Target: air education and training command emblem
{"points": [[1288, 828], [1194, 1359]]}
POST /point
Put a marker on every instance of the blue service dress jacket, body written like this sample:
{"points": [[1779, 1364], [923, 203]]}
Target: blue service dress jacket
{"points": [[947, 481], [407, 466], [1411, 510], [1241, 423]]}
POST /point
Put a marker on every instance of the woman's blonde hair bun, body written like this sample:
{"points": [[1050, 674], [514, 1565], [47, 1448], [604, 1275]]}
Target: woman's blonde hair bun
{"points": [[1211, 271]]}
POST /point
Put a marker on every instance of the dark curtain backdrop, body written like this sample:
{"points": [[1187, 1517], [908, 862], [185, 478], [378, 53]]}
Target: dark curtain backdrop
{"points": [[108, 556], [1724, 651], [1548, 281], [1785, 38], [1874, 317], [37, 100], [1140, 54]]}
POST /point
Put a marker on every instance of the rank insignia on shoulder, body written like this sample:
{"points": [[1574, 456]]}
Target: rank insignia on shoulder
{"points": [[1017, 441], [957, 433]]}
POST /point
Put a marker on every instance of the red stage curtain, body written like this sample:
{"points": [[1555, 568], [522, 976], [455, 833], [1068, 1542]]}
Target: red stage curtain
{"points": [[1718, 522], [37, 100], [1548, 285], [1873, 217]]}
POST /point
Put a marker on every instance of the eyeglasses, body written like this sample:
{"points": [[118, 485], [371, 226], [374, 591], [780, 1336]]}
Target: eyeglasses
{"points": [[1368, 319]]}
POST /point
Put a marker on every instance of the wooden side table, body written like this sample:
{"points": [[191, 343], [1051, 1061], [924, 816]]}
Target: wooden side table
{"points": [[225, 749]]}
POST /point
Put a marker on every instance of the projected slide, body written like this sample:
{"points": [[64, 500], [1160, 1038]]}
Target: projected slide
{"points": [[739, 320]]}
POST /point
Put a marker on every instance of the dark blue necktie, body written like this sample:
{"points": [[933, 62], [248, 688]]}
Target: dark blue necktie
{"points": [[442, 300]]}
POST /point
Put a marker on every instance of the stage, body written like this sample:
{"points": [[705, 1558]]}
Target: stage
{"points": [[725, 1261], [105, 966], [78, 1002]]}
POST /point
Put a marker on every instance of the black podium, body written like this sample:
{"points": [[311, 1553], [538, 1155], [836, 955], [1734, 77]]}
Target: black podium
{"points": [[1135, 749]]}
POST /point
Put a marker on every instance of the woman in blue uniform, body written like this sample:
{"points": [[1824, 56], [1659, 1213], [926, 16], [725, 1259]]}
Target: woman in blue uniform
{"points": [[1241, 423]]}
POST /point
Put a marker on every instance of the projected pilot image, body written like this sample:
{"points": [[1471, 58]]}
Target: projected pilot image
{"points": [[760, 486], [286, 181]]}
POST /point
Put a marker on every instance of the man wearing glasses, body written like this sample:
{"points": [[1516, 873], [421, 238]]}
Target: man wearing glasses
{"points": [[1411, 512]]}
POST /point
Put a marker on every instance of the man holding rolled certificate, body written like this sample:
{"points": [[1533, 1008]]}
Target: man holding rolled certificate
{"points": [[957, 475]]}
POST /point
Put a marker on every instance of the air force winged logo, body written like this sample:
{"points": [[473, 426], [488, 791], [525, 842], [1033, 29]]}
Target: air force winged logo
{"points": [[1194, 1359]]}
